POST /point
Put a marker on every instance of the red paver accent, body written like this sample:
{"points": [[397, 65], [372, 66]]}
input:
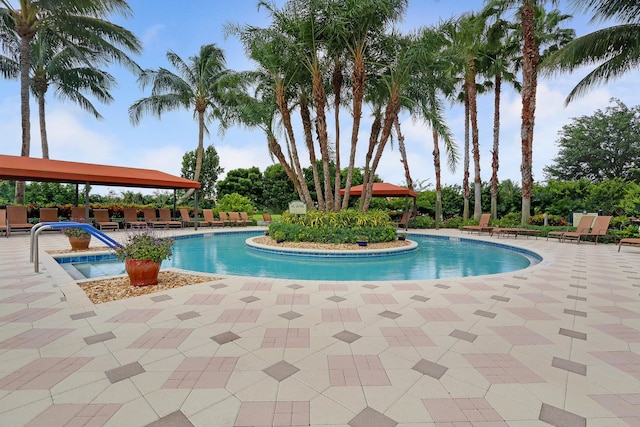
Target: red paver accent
{"points": [[622, 332], [44, 373], [502, 368], [133, 315], [202, 372], [239, 315], [478, 287], [292, 299], [538, 298], [378, 299], [25, 297], [407, 287], [284, 413], [357, 371], [161, 338], [34, 338], [461, 299], [619, 312], [340, 315], [286, 338], [435, 314], [530, 313], [29, 315], [613, 297], [626, 361], [406, 337], [257, 286], [463, 412], [326, 287], [624, 406], [71, 414], [520, 335], [205, 299]]}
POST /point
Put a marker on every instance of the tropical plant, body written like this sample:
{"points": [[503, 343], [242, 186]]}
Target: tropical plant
{"points": [[144, 245], [202, 84], [74, 22]]}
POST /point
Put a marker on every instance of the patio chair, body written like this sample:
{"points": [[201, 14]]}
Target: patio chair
{"points": [[78, 213], [627, 241], [225, 218], [584, 225], [165, 216], [185, 219], [17, 218], [483, 225], [131, 219], [403, 223], [244, 217], [48, 214], [151, 219], [599, 229], [266, 218], [4, 227], [234, 217], [103, 221], [210, 220]]}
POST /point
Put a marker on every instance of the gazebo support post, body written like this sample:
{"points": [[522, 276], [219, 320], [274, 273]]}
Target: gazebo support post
{"points": [[175, 193], [406, 212], [86, 201], [195, 209]]}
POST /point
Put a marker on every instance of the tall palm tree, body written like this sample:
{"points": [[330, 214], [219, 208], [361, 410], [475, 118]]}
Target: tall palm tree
{"points": [[202, 84], [613, 50], [72, 20]]}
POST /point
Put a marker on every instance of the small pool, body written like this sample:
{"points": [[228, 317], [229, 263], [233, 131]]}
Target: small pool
{"points": [[226, 253]]}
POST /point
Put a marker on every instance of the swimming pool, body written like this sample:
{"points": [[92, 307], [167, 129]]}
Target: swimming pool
{"points": [[435, 258]]}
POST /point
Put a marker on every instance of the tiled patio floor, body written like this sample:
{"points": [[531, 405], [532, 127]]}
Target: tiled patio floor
{"points": [[555, 344]]}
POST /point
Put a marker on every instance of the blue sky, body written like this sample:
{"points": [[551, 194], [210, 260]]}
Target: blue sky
{"points": [[183, 27]]}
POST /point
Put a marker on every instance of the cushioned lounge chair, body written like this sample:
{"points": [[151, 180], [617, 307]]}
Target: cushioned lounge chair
{"points": [[627, 241], [515, 232], [131, 218], [483, 225], [584, 225], [151, 219], [225, 218], [17, 218], [78, 214], [599, 229], [185, 219], [234, 217], [210, 220], [245, 218], [266, 218], [48, 214], [103, 222], [4, 228], [165, 216]]}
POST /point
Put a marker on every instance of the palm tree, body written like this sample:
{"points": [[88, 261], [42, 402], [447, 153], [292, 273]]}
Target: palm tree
{"points": [[614, 50], [202, 84], [72, 20]]}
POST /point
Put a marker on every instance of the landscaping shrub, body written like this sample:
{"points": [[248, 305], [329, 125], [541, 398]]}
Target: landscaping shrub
{"points": [[422, 221]]}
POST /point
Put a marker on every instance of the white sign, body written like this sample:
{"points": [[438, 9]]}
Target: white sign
{"points": [[297, 207]]}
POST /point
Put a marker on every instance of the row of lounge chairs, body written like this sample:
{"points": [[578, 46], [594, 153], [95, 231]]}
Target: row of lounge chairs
{"points": [[484, 227]]}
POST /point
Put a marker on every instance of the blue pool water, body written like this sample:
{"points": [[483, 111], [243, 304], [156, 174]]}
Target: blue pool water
{"points": [[435, 258]]}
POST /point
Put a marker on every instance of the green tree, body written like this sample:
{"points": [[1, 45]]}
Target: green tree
{"points": [[210, 170], [202, 84], [246, 182], [235, 202], [601, 146], [613, 50], [72, 21], [278, 189]]}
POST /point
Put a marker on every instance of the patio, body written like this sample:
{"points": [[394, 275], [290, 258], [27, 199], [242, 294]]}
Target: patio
{"points": [[555, 344]]}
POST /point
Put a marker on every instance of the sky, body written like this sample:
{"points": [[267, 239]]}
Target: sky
{"points": [[162, 25]]}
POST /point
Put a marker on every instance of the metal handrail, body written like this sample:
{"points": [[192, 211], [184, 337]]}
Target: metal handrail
{"points": [[42, 226]]}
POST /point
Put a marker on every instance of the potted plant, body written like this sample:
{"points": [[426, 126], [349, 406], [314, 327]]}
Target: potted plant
{"points": [[78, 238], [279, 236], [142, 253], [402, 236], [362, 240]]}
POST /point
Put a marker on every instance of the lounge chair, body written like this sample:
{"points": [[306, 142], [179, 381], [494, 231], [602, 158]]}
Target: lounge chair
{"points": [[245, 218], [17, 218], [225, 218], [266, 218], [515, 231], [185, 219], [627, 241], [151, 219], [78, 214], [584, 225], [103, 221], [165, 216], [48, 214], [210, 220], [3, 222], [131, 218], [403, 223], [234, 217], [483, 225], [599, 229]]}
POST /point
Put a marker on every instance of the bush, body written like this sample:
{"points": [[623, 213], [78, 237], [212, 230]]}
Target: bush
{"points": [[553, 220], [453, 222], [422, 221]]}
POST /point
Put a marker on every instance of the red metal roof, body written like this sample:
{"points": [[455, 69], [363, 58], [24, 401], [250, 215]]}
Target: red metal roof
{"points": [[382, 189], [18, 168]]}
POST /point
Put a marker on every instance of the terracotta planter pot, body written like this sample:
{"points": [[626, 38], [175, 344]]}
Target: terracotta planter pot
{"points": [[80, 242], [142, 272]]}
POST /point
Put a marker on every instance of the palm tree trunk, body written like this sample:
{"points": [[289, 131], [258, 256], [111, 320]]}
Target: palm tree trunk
{"points": [[357, 87], [319, 100], [403, 154], [199, 154], [337, 80], [41, 90], [436, 167], [308, 134], [25, 111], [465, 178], [531, 55], [376, 128], [495, 163], [473, 114]]}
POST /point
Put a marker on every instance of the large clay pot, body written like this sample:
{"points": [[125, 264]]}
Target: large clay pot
{"points": [[142, 272], [79, 243]]}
